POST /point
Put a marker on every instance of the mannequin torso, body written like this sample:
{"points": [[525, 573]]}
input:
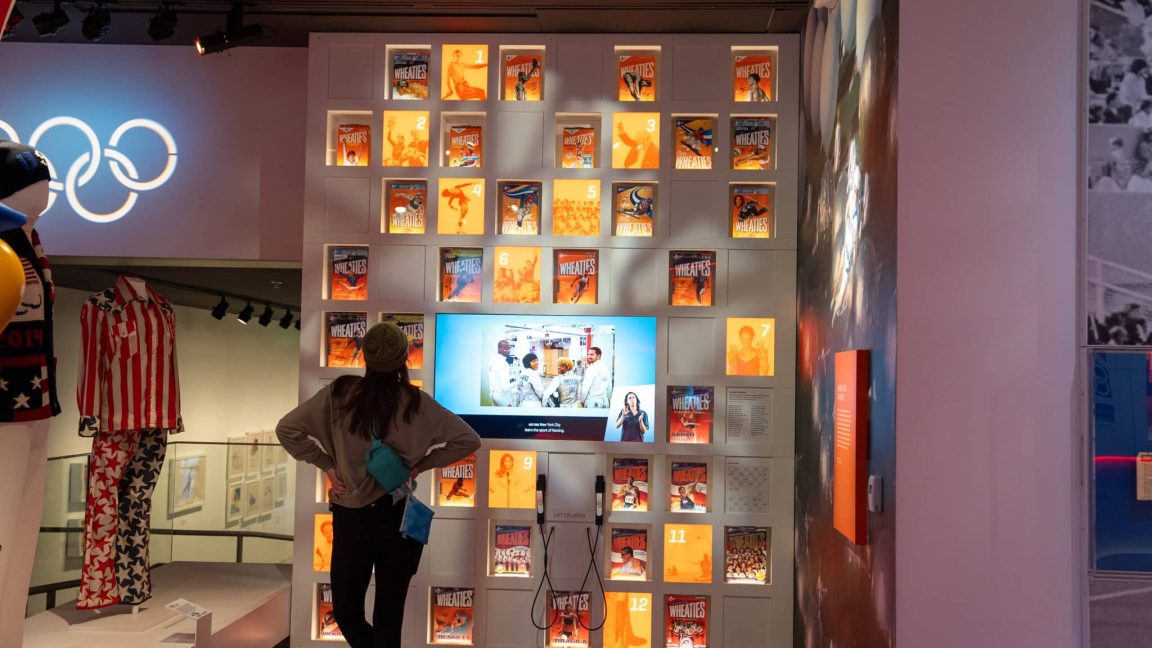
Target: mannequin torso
{"points": [[24, 413], [27, 364]]}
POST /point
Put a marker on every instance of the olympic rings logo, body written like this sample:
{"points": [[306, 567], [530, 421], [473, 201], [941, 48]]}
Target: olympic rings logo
{"points": [[83, 169]]}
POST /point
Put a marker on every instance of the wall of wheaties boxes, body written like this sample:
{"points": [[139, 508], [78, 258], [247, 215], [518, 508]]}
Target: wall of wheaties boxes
{"points": [[591, 242]]}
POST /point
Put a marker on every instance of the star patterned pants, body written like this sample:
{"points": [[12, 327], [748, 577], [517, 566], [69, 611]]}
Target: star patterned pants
{"points": [[122, 474]]}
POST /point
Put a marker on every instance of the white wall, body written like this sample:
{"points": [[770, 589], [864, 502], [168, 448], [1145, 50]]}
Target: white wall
{"points": [[986, 533]]}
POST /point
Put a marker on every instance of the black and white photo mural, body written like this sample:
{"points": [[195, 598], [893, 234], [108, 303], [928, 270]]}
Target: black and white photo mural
{"points": [[1118, 268]]}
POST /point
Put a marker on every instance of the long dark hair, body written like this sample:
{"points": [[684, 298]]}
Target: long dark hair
{"points": [[375, 400]]}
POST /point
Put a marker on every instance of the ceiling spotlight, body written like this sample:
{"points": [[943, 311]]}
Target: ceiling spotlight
{"points": [[48, 22], [246, 315], [222, 41], [221, 309], [265, 317], [15, 18], [235, 33], [162, 26], [97, 23], [286, 321]]}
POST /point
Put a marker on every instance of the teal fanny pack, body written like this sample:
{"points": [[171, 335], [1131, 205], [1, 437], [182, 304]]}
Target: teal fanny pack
{"points": [[387, 467]]}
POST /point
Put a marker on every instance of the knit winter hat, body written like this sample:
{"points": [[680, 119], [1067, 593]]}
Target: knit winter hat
{"points": [[385, 347], [20, 168]]}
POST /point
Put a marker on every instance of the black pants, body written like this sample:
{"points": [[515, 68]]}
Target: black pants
{"points": [[363, 538]]}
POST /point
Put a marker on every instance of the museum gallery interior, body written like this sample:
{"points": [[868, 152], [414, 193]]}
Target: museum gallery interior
{"points": [[660, 324]]}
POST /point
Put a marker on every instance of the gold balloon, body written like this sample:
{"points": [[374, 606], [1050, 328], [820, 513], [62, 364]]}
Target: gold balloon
{"points": [[11, 283]]}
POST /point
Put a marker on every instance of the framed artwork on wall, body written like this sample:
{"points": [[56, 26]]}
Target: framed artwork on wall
{"points": [[267, 495], [187, 477], [77, 486], [251, 501], [751, 344], [234, 506], [281, 487], [74, 544], [322, 542], [252, 457], [236, 458], [268, 450], [687, 553]]}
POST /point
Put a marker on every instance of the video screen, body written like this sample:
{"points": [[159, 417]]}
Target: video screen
{"points": [[580, 378]]}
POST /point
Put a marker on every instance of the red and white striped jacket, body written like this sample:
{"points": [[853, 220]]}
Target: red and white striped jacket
{"points": [[128, 374]]}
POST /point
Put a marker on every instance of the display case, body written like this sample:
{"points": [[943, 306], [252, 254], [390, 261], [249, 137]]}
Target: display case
{"points": [[522, 72], [519, 207], [575, 276], [577, 140], [694, 142], [404, 206], [637, 73], [750, 209], [349, 142], [407, 70], [462, 139]]}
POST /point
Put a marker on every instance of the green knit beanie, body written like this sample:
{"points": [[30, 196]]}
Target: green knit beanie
{"points": [[385, 347]]}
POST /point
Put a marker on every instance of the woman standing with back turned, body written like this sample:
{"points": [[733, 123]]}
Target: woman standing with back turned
{"points": [[333, 431]]}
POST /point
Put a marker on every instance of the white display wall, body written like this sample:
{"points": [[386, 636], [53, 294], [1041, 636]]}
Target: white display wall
{"points": [[752, 278]]}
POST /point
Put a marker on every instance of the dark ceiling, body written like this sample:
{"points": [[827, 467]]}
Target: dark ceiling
{"points": [[288, 22], [196, 285]]}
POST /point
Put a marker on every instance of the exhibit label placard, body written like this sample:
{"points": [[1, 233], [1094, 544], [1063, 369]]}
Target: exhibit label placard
{"points": [[1144, 476], [850, 457], [747, 488], [749, 417]]}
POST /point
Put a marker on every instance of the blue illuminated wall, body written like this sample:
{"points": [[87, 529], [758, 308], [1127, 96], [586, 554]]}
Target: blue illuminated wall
{"points": [[235, 186], [1121, 406]]}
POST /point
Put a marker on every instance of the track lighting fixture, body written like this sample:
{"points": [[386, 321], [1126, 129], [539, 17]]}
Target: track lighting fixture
{"points": [[235, 33], [162, 26], [49, 22], [97, 23], [245, 315]]}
